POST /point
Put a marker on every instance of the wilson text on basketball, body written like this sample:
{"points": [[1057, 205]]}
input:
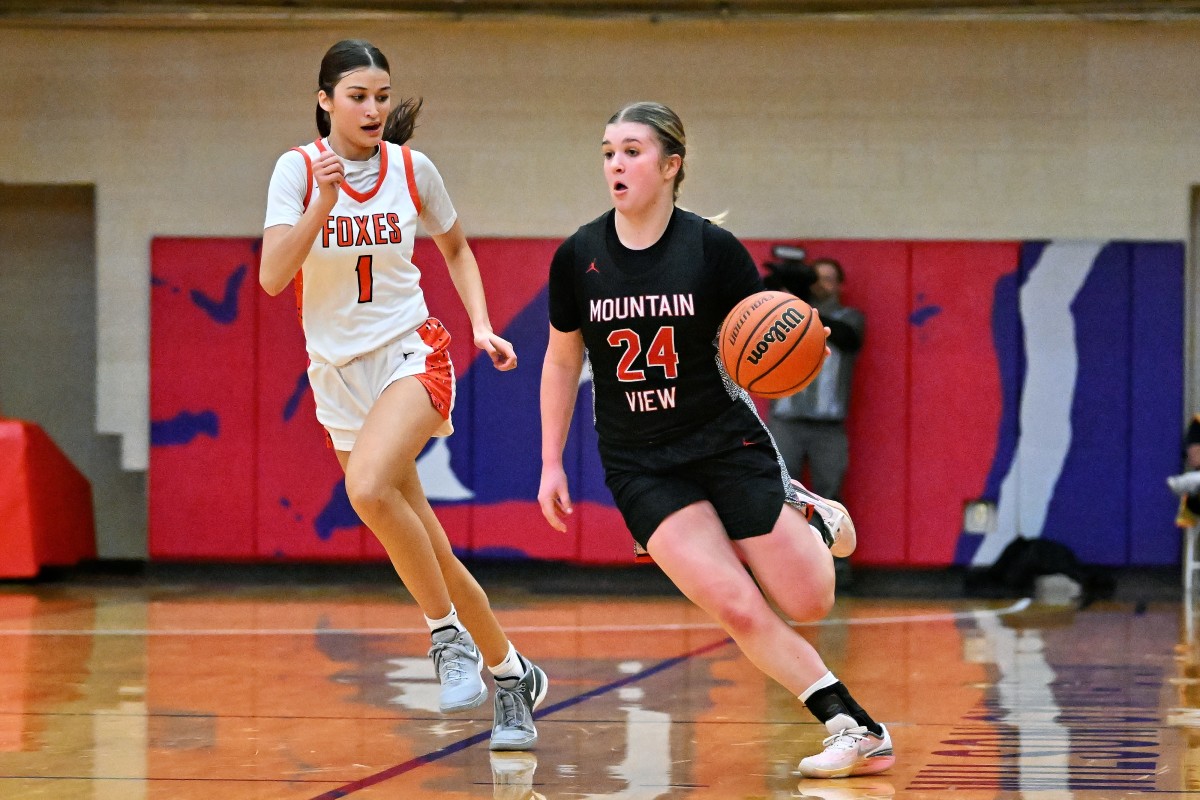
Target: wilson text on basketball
{"points": [[788, 321]]}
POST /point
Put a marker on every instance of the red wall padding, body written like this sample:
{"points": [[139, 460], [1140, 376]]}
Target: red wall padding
{"points": [[951, 432], [203, 360], [241, 470], [46, 514]]}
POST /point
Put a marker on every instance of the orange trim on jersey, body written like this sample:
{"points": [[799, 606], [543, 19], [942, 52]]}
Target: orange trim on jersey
{"points": [[308, 171], [412, 178], [363, 197], [438, 377], [298, 281]]}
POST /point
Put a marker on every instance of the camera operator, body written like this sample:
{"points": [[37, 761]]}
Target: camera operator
{"points": [[789, 273], [809, 427], [820, 285]]}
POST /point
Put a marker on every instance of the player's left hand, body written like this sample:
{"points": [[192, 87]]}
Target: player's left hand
{"points": [[828, 352], [554, 497], [500, 350]]}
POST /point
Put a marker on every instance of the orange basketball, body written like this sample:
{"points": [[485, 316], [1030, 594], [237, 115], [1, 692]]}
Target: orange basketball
{"points": [[772, 344]]}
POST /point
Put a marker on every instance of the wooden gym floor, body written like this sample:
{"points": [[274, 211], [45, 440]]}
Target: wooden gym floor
{"points": [[293, 690]]}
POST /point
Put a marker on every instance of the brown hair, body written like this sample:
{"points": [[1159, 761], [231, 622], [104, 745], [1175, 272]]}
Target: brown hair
{"points": [[349, 55]]}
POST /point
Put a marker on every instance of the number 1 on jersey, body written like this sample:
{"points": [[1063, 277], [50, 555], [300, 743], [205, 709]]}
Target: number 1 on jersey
{"points": [[365, 279]]}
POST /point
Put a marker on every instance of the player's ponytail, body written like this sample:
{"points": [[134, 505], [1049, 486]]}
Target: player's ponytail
{"points": [[402, 121]]}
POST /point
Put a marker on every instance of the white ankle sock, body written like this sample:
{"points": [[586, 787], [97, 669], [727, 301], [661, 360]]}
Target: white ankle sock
{"points": [[448, 621], [512, 667], [822, 682]]}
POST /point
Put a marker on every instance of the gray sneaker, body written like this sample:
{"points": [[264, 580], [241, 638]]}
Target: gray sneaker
{"points": [[839, 533], [458, 664], [513, 727]]}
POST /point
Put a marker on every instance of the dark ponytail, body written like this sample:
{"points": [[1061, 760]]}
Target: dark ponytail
{"points": [[347, 56], [402, 121]]}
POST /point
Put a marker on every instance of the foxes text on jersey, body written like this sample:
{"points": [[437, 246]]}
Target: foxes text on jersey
{"points": [[358, 288]]}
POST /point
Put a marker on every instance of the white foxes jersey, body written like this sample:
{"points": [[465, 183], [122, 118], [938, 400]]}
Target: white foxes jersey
{"points": [[358, 288]]}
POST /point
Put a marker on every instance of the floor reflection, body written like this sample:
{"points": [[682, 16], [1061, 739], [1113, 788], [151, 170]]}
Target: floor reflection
{"points": [[512, 776], [1184, 713], [295, 693], [851, 789]]}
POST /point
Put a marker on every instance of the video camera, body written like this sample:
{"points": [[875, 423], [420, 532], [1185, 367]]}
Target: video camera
{"points": [[789, 272]]}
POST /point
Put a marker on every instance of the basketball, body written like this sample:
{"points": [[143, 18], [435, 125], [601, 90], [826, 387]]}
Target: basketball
{"points": [[772, 344]]}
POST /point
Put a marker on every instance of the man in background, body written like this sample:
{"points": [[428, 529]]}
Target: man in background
{"points": [[810, 427]]}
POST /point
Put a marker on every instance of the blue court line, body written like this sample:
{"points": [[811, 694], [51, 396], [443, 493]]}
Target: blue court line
{"points": [[463, 744]]}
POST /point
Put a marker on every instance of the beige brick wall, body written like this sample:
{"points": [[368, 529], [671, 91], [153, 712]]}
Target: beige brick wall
{"points": [[833, 128]]}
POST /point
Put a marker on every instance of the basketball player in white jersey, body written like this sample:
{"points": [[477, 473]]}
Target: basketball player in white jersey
{"points": [[341, 217], [693, 470]]}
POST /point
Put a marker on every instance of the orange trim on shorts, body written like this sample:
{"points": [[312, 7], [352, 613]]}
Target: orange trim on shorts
{"points": [[438, 377]]}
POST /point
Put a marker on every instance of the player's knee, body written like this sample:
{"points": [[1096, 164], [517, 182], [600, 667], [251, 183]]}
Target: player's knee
{"points": [[809, 606], [739, 612], [368, 494]]}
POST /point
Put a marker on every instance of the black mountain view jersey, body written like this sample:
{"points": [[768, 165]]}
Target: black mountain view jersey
{"points": [[649, 320]]}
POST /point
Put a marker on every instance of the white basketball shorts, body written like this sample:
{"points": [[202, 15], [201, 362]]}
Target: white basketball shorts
{"points": [[346, 394]]}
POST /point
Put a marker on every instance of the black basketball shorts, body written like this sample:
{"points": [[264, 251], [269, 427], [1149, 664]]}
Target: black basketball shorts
{"points": [[731, 462]]}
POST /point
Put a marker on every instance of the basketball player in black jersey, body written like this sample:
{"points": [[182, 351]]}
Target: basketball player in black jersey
{"points": [[695, 474]]}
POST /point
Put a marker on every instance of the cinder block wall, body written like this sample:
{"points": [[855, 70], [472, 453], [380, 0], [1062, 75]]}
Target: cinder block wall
{"points": [[835, 129]]}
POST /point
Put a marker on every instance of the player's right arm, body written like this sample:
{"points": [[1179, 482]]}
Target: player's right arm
{"points": [[286, 246], [560, 386]]}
